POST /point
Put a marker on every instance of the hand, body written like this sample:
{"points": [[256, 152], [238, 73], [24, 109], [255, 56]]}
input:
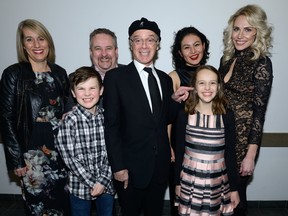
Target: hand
{"points": [[181, 94], [235, 199], [247, 166], [177, 190], [20, 172], [172, 154], [122, 176], [97, 190]]}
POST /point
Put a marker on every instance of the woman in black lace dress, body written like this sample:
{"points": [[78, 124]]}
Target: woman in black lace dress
{"points": [[33, 94], [247, 73], [189, 50]]}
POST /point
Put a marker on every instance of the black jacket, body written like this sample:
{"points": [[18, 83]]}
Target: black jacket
{"points": [[19, 106]]}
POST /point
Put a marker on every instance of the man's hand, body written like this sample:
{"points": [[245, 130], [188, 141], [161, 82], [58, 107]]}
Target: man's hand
{"points": [[122, 176]]}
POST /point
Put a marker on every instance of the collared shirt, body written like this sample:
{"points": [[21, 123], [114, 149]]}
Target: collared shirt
{"points": [[102, 74], [144, 79], [81, 144]]}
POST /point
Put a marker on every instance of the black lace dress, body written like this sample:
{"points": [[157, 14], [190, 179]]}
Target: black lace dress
{"points": [[248, 91]]}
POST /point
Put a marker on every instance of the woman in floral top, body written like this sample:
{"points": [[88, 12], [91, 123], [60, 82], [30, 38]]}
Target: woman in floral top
{"points": [[33, 94], [247, 73]]}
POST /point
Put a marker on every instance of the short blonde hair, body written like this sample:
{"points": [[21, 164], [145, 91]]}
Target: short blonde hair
{"points": [[40, 29], [257, 18]]}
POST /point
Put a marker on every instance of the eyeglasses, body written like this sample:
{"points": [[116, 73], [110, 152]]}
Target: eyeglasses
{"points": [[148, 41]]}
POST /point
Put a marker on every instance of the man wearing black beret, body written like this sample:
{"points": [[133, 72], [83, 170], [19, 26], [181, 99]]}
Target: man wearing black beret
{"points": [[138, 107]]}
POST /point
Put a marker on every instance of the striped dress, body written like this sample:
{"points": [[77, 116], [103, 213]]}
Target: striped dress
{"points": [[204, 182]]}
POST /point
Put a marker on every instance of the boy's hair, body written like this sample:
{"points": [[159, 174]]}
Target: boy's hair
{"points": [[84, 73], [219, 102]]}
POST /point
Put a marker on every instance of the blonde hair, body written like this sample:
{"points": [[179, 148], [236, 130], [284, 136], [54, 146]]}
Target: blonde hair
{"points": [[40, 29], [257, 18]]}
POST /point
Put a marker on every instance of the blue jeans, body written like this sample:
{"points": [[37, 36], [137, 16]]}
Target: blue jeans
{"points": [[81, 207]]}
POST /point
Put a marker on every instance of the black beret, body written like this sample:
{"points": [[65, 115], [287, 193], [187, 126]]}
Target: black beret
{"points": [[144, 24]]}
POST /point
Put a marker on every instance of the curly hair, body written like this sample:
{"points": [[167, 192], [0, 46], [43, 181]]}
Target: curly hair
{"points": [[257, 18], [178, 60], [219, 102]]}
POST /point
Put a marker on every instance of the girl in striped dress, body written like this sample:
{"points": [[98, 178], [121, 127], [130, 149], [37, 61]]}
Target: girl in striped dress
{"points": [[206, 172]]}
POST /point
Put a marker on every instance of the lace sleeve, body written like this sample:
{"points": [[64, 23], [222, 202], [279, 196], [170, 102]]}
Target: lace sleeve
{"points": [[263, 78]]}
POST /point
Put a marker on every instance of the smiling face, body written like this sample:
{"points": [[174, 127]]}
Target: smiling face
{"points": [[144, 45], [87, 94], [103, 52], [206, 86], [192, 50], [243, 34], [36, 46]]}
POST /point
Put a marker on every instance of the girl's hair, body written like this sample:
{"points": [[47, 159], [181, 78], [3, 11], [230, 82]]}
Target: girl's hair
{"points": [[178, 60], [38, 28], [257, 18], [219, 102], [82, 74]]}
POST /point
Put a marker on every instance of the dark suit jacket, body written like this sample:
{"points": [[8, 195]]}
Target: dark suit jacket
{"points": [[134, 140]]}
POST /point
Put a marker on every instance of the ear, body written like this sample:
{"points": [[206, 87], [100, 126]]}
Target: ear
{"points": [[101, 90], [180, 53], [73, 94]]}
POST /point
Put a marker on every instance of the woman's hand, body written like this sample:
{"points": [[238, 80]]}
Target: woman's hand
{"points": [[20, 172], [177, 190], [248, 163], [247, 166], [181, 94]]}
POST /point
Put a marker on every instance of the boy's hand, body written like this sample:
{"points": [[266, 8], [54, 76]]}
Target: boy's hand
{"points": [[97, 190]]}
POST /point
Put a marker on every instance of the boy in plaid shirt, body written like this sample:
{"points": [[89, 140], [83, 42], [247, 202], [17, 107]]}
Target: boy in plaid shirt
{"points": [[81, 143]]}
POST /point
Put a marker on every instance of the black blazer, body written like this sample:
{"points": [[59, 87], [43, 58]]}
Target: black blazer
{"points": [[134, 140]]}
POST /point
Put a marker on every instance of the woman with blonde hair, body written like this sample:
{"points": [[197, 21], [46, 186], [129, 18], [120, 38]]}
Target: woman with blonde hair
{"points": [[248, 75], [33, 95]]}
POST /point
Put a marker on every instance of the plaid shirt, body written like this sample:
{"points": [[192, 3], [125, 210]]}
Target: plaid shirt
{"points": [[81, 144]]}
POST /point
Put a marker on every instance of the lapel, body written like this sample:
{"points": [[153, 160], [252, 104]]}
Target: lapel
{"points": [[135, 81]]}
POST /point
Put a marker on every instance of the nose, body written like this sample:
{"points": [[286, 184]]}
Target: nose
{"points": [[240, 34], [36, 43], [144, 43], [87, 92], [193, 50], [104, 52], [207, 86]]}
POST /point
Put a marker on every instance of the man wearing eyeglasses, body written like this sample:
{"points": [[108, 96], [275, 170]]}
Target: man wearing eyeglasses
{"points": [[137, 113]]}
